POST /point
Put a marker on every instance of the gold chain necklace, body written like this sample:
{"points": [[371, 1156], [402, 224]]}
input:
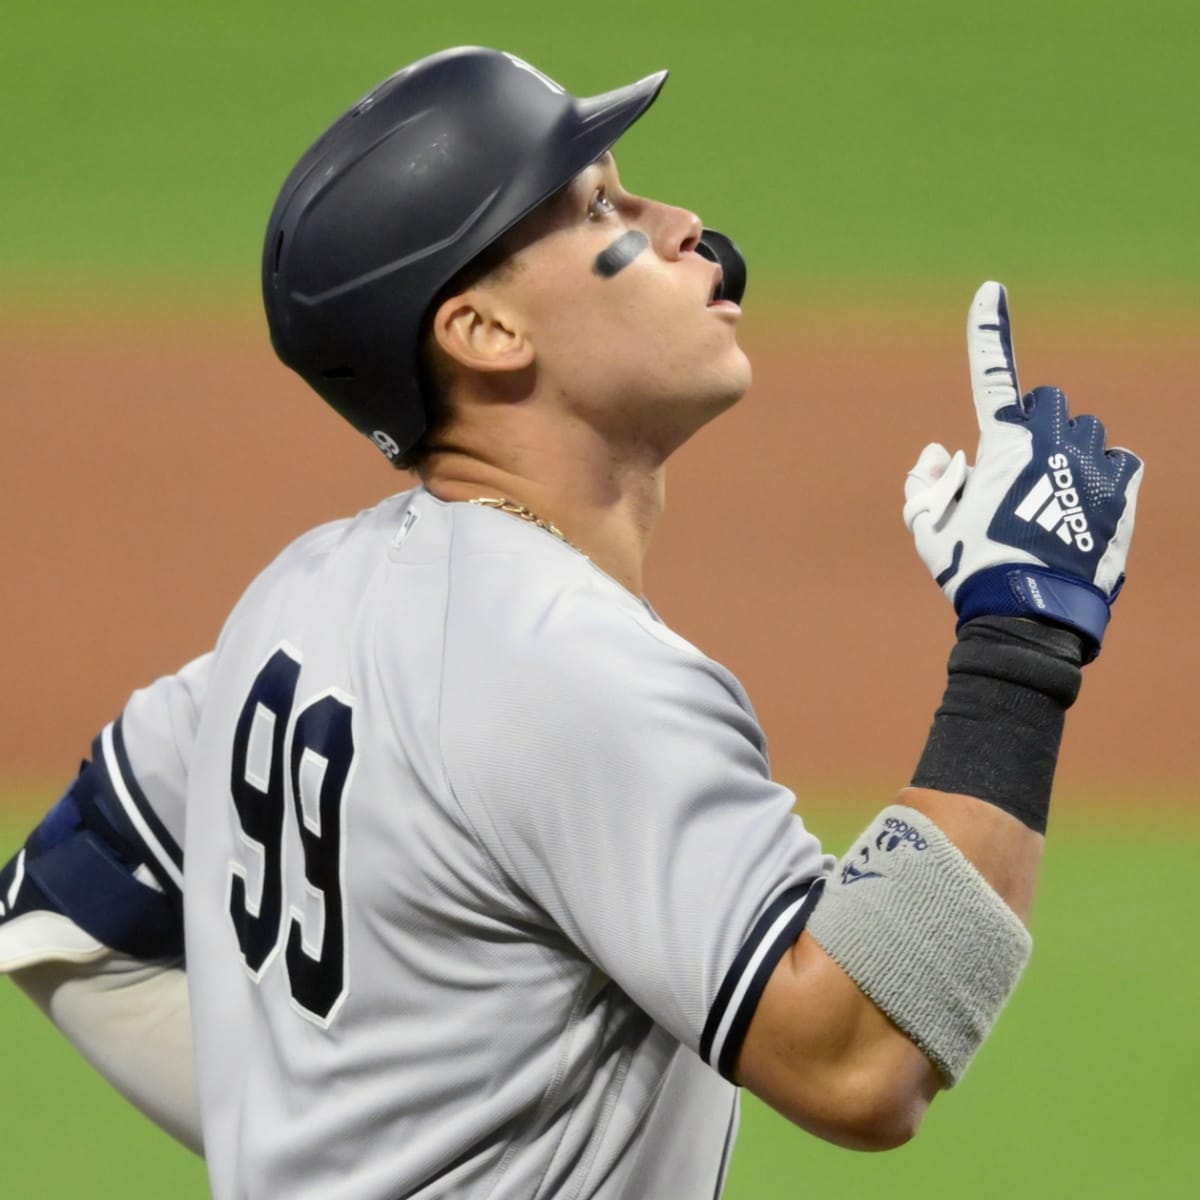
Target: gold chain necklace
{"points": [[505, 505]]}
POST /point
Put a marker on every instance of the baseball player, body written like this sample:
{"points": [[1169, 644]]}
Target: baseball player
{"points": [[484, 883]]}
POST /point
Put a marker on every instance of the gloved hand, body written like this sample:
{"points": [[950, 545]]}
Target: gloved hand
{"points": [[1040, 526]]}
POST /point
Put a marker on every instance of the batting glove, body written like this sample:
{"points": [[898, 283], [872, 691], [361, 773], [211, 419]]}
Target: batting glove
{"points": [[1040, 526]]}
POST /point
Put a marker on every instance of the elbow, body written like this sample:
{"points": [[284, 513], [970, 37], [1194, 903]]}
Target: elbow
{"points": [[869, 1110], [886, 1125], [823, 1055]]}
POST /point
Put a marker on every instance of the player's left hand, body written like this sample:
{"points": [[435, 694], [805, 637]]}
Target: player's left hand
{"points": [[1040, 526]]}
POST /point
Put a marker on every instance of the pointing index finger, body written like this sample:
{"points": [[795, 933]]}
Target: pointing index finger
{"points": [[990, 352]]}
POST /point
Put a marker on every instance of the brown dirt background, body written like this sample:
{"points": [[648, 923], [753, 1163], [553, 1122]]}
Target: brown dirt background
{"points": [[150, 470]]}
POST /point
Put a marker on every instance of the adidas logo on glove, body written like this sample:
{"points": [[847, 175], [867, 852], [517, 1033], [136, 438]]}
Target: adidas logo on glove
{"points": [[1040, 525], [1054, 503]]}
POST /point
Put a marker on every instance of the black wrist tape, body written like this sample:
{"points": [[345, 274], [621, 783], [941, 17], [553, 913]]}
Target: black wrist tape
{"points": [[997, 733]]}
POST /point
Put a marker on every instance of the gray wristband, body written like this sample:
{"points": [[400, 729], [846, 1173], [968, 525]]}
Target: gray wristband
{"points": [[924, 935]]}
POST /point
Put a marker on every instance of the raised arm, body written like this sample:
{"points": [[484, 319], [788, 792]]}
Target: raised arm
{"points": [[919, 938]]}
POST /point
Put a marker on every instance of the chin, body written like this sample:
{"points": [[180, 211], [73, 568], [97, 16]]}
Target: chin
{"points": [[718, 395], [734, 381]]}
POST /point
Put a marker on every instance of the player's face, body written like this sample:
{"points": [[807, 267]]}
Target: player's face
{"points": [[619, 307]]}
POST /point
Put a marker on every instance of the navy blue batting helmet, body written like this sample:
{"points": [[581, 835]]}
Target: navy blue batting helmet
{"points": [[401, 193]]}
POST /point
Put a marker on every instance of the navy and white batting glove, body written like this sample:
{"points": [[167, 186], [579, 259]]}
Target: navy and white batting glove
{"points": [[1040, 526]]}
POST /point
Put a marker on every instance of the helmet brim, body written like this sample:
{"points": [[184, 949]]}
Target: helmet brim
{"points": [[599, 122], [606, 117]]}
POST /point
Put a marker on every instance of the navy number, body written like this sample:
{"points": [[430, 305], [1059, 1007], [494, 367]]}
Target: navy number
{"points": [[324, 743], [257, 789], [311, 761]]}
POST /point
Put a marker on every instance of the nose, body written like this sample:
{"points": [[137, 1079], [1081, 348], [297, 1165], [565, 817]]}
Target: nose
{"points": [[674, 231]]}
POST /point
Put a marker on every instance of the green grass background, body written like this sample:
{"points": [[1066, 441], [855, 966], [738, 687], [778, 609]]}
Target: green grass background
{"points": [[862, 150], [1087, 1088], [864, 154]]}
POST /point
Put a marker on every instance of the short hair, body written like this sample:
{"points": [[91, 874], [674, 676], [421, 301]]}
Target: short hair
{"points": [[494, 262]]}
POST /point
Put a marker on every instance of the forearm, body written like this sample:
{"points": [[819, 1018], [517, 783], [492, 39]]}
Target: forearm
{"points": [[98, 947], [926, 913], [986, 774], [1006, 852], [131, 1021]]}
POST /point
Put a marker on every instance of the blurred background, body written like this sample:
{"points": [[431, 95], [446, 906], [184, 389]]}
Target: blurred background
{"points": [[876, 161]]}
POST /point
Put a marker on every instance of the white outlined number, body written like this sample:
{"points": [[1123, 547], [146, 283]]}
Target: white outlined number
{"points": [[307, 760]]}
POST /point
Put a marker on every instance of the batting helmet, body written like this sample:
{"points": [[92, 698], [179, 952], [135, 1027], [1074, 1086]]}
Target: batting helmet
{"points": [[401, 193]]}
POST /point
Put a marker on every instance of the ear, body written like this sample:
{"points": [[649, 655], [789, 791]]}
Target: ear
{"points": [[477, 331]]}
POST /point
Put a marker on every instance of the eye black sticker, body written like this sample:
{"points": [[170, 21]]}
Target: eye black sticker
{"points": [[621, 253]]}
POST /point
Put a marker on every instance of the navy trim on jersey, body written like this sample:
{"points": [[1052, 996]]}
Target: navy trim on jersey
{"points": [[125, 796], [742, 988]]}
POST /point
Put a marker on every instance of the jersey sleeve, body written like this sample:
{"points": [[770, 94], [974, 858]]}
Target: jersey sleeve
{"points": [[142, 761], [103, 871], [620, 781]]}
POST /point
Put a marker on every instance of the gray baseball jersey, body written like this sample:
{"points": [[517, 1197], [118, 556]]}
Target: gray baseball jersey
{"points": [[485, 871]]}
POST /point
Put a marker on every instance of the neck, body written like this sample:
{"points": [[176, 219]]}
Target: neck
{"points": [[605, 505]]}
